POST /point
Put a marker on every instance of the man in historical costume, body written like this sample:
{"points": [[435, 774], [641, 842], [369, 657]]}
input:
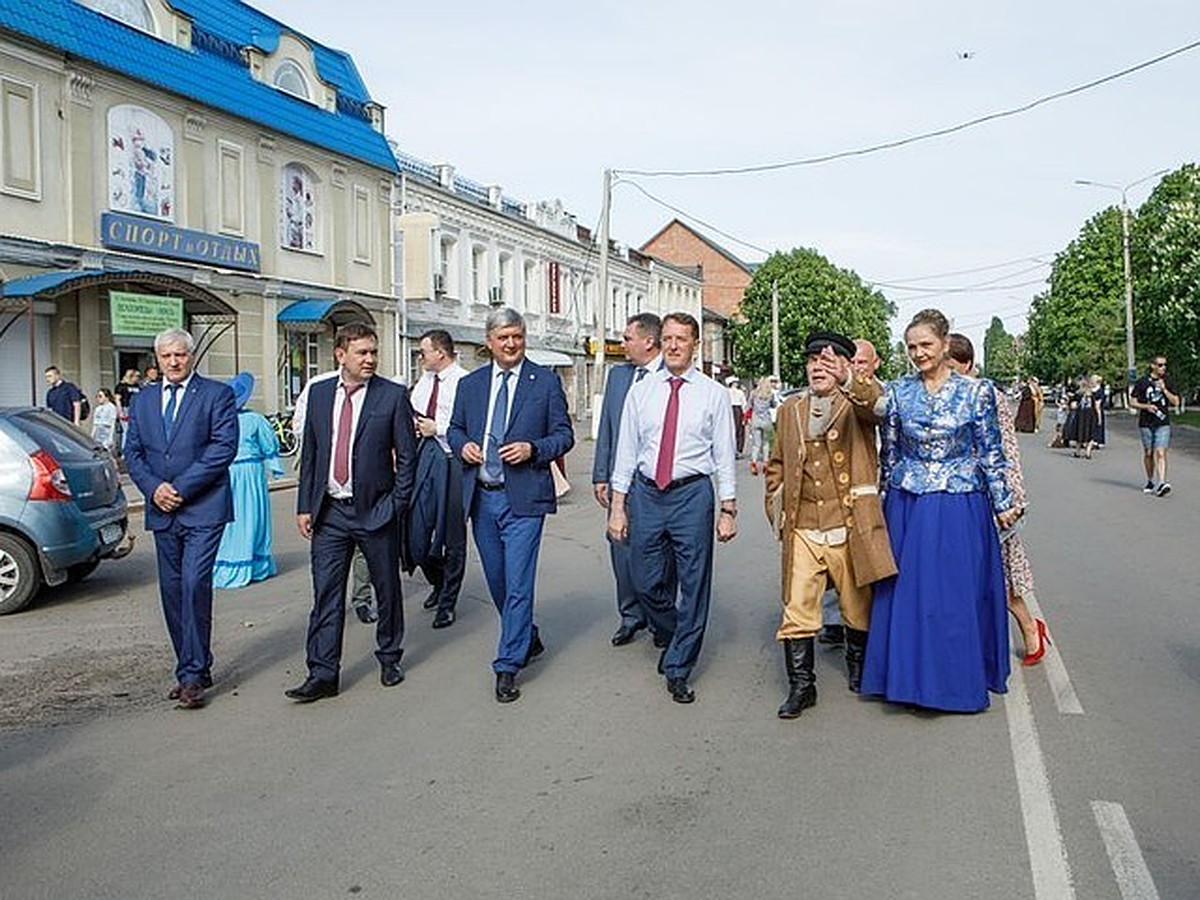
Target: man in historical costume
{"points": [[822, 500]]}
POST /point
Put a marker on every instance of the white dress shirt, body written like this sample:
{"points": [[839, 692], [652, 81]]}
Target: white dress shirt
{"points": [[448, 380], [179, 394], [704, 442], [357, 399]]}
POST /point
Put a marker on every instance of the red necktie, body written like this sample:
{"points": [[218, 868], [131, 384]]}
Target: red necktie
{"points": [[431, 406], [666, 446], [341, 451]]}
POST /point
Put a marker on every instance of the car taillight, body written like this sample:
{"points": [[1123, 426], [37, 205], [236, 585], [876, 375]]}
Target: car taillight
{"points": [[49, 480]]}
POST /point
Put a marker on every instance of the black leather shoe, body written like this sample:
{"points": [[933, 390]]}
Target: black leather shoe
{"points": [[625, 634], [390, 674], [662, 641], [312, 689], [536, 649], [444, 618], [832, 635], [366, 614], [506, 687], [680, 691], [431, 601]]}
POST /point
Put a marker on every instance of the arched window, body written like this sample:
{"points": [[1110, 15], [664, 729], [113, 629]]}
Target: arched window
{"points": [[131, 12], [298, 222], [290, 79], [141, 156]]}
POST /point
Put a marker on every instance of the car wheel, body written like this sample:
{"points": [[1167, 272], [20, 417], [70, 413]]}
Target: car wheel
{"points": [[80, 571], [19, 576]]}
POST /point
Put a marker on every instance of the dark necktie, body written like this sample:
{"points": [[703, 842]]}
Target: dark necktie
{"points": [[169, 412], [431, 406], [641, 373], [666, 446], [493, 468], [341, 451]]}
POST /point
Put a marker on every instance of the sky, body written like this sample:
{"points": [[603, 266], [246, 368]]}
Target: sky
{"points": [[542, 97]]}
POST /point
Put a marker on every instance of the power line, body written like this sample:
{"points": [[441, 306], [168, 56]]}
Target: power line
{"points": [[913, 139], [687, 215], [1004, 265], [970, 287]]}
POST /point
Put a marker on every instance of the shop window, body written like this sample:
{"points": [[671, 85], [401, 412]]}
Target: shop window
{"points": [[299, 220], [141, 163], [20, 161]]}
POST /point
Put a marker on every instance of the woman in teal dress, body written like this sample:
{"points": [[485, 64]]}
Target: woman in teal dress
{"points": [[245, 552], [939, 636]]}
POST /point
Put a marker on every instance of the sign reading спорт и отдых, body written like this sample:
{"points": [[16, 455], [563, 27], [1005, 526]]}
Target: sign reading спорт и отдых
{"points": [[160, 239]]}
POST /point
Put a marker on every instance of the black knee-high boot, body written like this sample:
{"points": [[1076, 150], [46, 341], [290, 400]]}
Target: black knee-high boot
{"points": [[856, 652], [802, 682]]}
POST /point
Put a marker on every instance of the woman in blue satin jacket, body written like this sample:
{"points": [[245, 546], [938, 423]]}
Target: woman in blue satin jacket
{"points": [[939, 636]]}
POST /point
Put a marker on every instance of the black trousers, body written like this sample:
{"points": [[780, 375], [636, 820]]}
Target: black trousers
{"points": [[446, 574]]}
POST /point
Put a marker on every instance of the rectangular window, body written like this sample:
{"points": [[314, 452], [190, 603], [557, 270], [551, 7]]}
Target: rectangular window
{"points": [[233, 194], [555, 292], [362, 224], [19, 162], [479, 274]]}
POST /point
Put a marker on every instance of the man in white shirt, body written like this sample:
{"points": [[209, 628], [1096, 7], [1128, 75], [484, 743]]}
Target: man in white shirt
{"points": [[433, 402], [676, 434], [737, 400]]}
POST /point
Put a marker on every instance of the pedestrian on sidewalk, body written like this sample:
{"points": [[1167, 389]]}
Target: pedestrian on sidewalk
{"points": [[763, 401]]}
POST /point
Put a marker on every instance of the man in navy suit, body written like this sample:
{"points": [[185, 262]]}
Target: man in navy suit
{"points": [[183, 434], [643, 349], [509, 424], [357, 463]]}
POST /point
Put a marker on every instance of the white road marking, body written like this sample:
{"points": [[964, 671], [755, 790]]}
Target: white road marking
{"points": [[1128, 864], [1056, 671], [1043, 836]]}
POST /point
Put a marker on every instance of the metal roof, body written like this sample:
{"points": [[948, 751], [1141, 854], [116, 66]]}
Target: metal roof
{"points": [[213, 72]]}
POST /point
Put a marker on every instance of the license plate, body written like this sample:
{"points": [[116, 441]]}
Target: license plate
{"points": [[110, 534]]}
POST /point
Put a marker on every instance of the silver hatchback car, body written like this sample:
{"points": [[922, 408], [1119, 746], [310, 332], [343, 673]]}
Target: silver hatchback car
{"points": [[62, 508]]}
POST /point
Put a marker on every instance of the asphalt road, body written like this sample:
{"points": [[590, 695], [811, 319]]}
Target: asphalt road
{"points": [[596, 785]]}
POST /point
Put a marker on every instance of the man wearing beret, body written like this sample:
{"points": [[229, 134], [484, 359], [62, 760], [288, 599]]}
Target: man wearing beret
{"points": [[823, 501]]}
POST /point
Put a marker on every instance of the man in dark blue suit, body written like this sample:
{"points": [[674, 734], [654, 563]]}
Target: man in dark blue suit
{"points": [[183, 434], [509, 424], [357, 463], [643, 349]]}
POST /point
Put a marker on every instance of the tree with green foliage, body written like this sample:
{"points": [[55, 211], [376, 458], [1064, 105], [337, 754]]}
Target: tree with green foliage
{"points": [[1078, 326], [814, 294], [999, 352], [1166, 265]]}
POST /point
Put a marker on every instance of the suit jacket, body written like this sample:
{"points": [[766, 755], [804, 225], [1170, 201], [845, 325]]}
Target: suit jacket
{"points": [[383, 453], [538, 415], [851, 441], [426, 538], [620, 378], [195, 460]]}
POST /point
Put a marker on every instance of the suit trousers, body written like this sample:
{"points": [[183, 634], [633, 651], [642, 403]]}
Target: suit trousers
{"points": [[813, 566], [446, 574], [508, 547], [334, 538], [674, 527], [186, 556]]}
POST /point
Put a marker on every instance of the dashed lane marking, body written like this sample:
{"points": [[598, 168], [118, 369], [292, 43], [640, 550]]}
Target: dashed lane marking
{"points": [[1128, 864], [1056, 671]]}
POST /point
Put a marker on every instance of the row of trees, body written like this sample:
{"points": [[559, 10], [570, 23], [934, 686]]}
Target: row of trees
{"points": [[1078, 325]]}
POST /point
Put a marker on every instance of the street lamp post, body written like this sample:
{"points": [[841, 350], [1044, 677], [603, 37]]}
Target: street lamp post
{"points": [[1130, 355]]}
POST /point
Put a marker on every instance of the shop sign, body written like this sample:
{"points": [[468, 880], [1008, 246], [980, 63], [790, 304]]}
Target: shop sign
{"points": [[143, 315], [611, 348], [126, 232]]}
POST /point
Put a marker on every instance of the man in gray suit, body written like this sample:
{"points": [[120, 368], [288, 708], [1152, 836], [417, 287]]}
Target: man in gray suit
{"points": [[643, 348]]}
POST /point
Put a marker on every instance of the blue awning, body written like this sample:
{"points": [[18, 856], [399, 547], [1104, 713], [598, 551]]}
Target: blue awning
{"points": [[32, 285], [306, 311]]}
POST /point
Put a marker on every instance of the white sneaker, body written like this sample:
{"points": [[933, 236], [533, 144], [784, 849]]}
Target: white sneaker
{"points": [[1149, 488], [1162, 490]]}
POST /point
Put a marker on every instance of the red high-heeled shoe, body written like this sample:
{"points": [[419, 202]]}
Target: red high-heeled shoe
{"points": [[1035, 657]]}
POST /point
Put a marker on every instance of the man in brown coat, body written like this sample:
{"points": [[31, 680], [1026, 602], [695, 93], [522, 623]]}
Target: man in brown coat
{"points": [[823, 500]]}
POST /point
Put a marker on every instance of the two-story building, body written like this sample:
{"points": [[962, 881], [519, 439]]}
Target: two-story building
{"points": [[189, 163]]}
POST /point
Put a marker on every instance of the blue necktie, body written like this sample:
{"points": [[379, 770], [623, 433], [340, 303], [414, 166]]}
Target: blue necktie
{"points": [[641, 373], [169, 412], [493, 468]]}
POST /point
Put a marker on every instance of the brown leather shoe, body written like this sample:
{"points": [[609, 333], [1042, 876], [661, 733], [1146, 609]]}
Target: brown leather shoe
{"points": [[173, 693], [191, 696]]}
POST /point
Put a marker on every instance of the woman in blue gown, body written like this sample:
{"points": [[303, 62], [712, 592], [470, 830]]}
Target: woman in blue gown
{"points": [[245, 552], [939, 637]]}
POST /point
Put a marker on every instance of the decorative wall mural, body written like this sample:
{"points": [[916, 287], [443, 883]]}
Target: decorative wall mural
{"points": [[299, 224], [141, 172]]}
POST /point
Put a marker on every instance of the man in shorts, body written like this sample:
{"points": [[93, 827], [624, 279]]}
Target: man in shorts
{"points": [[1152, 398]]}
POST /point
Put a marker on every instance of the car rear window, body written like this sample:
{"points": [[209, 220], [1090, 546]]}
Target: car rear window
{"points": [[55, 435]]}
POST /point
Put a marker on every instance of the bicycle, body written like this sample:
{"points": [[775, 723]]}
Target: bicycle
{"points": [[281, 424]]}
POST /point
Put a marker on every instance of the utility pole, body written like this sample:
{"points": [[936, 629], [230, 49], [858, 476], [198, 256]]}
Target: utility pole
{"points": [[1130, 359], [775, 329], [601, 302]]}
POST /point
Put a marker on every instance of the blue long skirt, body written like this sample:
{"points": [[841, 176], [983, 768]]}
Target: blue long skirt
{"points": [[938, 636], [245, 552]]}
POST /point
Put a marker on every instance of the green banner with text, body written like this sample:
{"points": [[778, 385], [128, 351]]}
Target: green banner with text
{"points": [[143, 315]]}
